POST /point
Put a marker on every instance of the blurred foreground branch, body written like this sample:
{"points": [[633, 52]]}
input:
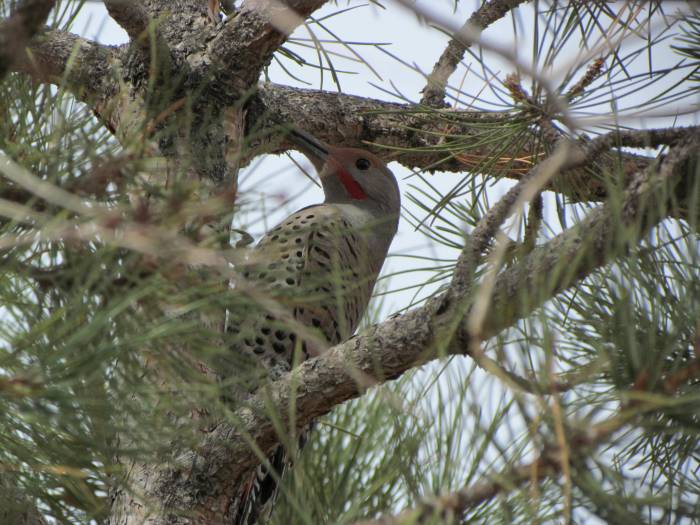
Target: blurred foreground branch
{"points": [[26, 20]]}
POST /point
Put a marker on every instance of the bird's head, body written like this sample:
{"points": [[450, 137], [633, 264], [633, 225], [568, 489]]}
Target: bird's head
{"points": [[351, 175]]}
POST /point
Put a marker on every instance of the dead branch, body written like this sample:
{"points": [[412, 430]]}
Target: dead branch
{"points": [[487, 14]]}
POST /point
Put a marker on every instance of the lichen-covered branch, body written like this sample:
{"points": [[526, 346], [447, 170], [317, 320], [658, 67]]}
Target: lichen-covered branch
{"points": [[246, 43], [388, 127], [487, 14], [567, 156], [408, 134], [26, 20]]}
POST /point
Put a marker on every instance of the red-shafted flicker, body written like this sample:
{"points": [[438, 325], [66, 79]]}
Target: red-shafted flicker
{"points": [[320, 265]]}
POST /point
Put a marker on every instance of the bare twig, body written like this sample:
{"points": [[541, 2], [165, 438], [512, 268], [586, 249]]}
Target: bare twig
{"points": [[487, 14], [469, 35]]}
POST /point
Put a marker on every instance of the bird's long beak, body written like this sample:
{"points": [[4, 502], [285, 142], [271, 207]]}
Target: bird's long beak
{"points": [[313, 148]]}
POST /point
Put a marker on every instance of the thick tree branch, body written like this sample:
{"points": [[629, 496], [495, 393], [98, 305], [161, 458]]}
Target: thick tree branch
{"points": [[246, 43], [567, 156], [403, 342], [487, 14], [389, 130], [59, 57], [15, 33], [612, 228], [130, 15]]}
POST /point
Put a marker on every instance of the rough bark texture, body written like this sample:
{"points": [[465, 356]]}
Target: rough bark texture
{"points": [[90, 74], [382, 127], [388, 128], [206, 75], [247, 41]]}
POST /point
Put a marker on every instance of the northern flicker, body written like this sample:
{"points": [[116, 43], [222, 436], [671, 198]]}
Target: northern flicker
{"points": [[320, 264]]}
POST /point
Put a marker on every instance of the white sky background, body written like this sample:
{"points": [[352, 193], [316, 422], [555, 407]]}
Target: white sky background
{"points": [[276, 186]]}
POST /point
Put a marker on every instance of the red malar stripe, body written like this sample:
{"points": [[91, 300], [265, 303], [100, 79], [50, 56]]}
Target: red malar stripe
{"points": [[351, 185]]}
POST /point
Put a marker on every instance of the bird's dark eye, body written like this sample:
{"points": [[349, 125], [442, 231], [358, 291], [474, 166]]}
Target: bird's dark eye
{"points": [[362, 164]]}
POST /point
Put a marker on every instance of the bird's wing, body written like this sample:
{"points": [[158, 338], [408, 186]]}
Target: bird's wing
{"points": [[335, 278], [315, 265]]}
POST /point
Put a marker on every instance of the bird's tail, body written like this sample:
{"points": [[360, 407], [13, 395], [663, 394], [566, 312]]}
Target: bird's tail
{"points": [[259, 494]]}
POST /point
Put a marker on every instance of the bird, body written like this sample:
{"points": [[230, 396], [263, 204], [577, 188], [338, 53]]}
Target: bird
{"points": [[320, 264]]}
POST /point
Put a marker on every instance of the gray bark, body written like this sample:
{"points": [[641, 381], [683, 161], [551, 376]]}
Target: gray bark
{"points": [[216, 68]]}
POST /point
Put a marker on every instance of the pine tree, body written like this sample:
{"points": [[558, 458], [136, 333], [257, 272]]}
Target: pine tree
{"points": [[544, 365]]}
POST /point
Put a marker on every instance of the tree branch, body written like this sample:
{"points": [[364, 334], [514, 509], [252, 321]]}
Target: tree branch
{"points": [[567, 156], [409, 135], [246, 43], [56, 57], [487, 14], [15, 32], [590, 244], [130, 15], [406, 341]]}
